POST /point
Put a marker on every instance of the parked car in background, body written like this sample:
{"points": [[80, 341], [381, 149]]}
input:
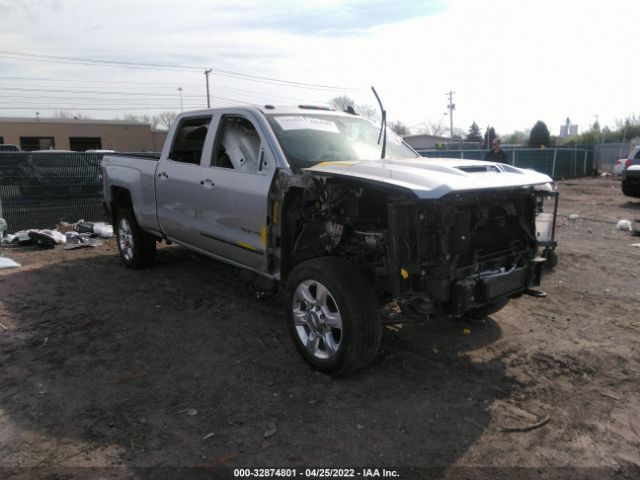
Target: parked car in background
{"points": [[7, 147], [620, 165], [631, 181], [624, 163]]}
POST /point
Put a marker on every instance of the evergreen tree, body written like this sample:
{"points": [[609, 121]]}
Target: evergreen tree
{"points": [[539, 136], [474, 133]]}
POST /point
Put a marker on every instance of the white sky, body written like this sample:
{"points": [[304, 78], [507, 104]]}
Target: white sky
{"points": [[510, 62]]}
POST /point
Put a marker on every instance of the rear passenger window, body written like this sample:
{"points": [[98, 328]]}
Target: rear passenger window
{"points": [[637, 155], [237, 145], [189, 140]]}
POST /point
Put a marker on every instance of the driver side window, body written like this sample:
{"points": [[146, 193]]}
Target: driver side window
{"points": [[237, 145]]}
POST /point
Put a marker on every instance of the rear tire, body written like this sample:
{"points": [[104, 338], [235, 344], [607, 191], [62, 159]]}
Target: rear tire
{"points": [[332, 315], [137, 249]]}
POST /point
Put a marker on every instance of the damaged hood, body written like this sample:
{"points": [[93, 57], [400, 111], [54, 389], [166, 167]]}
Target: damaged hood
{"points": [[430, 178]]}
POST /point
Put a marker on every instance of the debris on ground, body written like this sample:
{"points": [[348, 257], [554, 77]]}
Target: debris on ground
{"points": [[574, 216], [8, 263], [100, 229], [271, 430], [80, 240], [624, 225], [527, 428], [192, 412], [73, 235], [46, 238]]}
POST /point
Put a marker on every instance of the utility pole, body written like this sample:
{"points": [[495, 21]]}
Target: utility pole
{"points": [[451, 107], [206, 74], [180, 90]]}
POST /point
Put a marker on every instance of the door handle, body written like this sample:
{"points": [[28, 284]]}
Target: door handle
{"points": [[207, 183], [163, 175]]}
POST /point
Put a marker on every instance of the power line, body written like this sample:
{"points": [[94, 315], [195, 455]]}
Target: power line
{"points": [[122, 64]]}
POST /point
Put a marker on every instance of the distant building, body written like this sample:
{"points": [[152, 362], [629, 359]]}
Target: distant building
{"points": [[433, 142], [80, 135], [568, 129], [426, 142]]}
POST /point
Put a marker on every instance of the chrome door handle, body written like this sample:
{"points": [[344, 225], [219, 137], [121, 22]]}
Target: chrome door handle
{"points": [[207, 183], [163, 175]]}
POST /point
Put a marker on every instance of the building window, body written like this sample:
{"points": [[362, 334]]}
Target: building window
{"points": [[80, 144], [1, 140], [37, 143]]}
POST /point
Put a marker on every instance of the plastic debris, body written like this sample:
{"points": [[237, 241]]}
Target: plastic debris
{"points": [[635, 244], [466, 331], [8, 239], [192, 412], [46, 238], [8, 263], [271, 430], [574, 216], [80, 240], [624, 225], [83, 227], [103, 230]]}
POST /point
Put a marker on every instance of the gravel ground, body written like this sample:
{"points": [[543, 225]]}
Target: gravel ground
{"points": [[180, 371]]}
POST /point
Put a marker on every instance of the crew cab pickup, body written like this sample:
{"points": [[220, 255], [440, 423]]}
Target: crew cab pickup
{"points": [[300, 199]]}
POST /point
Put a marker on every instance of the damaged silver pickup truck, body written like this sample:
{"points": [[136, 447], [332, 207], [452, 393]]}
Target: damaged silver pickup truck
{"points": [[300, 199]]}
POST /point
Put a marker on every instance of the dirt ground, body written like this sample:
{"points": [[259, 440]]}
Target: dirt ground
{"points": [[179, 371]]}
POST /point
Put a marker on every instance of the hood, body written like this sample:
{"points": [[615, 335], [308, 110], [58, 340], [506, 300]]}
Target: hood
{"points": [[431, 178]]}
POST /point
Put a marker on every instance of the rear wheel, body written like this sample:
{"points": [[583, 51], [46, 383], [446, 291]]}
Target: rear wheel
{"points": [[137, 249], [332, 316]]}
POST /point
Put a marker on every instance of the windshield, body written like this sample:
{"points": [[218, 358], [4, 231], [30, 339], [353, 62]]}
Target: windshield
{"points": [[308, 139]]}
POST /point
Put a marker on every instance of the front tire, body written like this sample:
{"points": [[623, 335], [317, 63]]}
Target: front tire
{"points": [[137, 249], [332, 315]]}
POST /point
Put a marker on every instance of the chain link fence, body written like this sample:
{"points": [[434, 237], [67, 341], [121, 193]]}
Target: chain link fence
{"points": [[38, 190], [555, 162]]}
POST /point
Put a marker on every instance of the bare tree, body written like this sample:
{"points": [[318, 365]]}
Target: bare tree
{"points": [[133, 118], [399, 128], [65, 115], [165, 119], [368, 111], [342, 102], [433, 128]]}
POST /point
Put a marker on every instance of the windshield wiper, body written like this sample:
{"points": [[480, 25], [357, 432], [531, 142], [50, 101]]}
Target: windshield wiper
{"points": [[383, 125]]}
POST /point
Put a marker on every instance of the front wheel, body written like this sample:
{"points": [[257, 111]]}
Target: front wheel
{"points": [[137, 249], [332, 316]]}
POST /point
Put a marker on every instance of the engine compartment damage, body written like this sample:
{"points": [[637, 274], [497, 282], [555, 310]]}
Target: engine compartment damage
{"points": [[445, 256]]}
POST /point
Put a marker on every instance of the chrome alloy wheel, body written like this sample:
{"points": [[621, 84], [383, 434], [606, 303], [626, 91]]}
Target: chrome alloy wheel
{"points": [[317, 319], [125, 239]]}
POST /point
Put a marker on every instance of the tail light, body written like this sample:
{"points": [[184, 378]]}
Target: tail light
{"points": [[627, 164]]}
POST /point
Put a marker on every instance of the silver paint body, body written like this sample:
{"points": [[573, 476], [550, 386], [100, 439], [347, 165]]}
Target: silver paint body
{"points": [[221, 212]]}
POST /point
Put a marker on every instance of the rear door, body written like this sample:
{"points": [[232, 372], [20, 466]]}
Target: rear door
{"points": [[178, 177]]}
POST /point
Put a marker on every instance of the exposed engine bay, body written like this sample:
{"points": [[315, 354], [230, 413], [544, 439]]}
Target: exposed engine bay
{"points": [[443, 256]]}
